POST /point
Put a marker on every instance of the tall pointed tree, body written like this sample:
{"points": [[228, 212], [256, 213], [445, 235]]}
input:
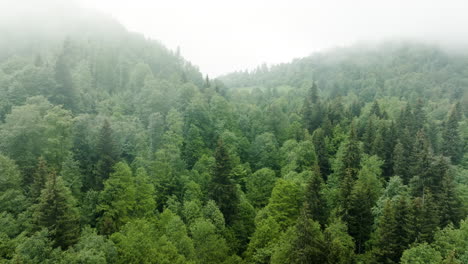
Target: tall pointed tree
{"points": [[56, 211], [223, 188], [452, 146], [107, 153], [314, 200], [312, 109]]}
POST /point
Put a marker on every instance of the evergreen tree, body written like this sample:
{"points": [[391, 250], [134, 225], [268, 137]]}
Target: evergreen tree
{"points": [[314, 200], [321, 151], [452, 144], [312, 109], [308, 245], [56, 211], [223, 189], [65, 94], [39, 179], [107, 153], [363, 198], [117, 200]]}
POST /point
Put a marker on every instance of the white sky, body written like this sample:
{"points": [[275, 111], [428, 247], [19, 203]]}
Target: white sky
{"points": [[223, 36]]}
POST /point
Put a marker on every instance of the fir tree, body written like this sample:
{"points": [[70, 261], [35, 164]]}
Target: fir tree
{"points": [[107, 153], [39, 179], [312, 109], [223, 189], [452, 144], [56, 211]]}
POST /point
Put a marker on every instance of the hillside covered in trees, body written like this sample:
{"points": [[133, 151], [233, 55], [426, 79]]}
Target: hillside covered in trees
{"points": [[115, 149]]}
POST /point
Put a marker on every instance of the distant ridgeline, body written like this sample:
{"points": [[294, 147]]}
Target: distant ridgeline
{"points": [[398, 69], [114, 149]]}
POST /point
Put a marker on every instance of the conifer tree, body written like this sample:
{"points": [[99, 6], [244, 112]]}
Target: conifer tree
{"points": [[312, 109], [314, 200], [117, 200], [321, 151], [56, 211], [39, 179], [107, 153], [65, 93], [308, 245], [223, 188], [452, 144]]}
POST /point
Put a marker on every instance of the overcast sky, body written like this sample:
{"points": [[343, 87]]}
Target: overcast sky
{"points": [[223, 36]]}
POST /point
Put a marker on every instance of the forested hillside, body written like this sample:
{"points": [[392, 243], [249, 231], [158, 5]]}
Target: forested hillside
{"points": [[115, 149]]}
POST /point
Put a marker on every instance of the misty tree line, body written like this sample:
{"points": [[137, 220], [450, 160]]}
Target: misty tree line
{"points": [[119, 151]]}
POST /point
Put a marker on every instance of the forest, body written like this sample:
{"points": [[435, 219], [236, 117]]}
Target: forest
{"points": [[116, 149]]}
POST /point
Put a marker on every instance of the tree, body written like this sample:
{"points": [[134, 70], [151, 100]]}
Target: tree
{"points": [[223, 189], [339, 245], [312, 109], [452, 144], [39, 179], [308, 246], [117, 200], [56, 211], [264, 152], [363, 198], [320, 147], [314, 199], [65, 92], [145, 204], [259, 186], [107, 152], [210, 247], [140, 236], [12, 197], [285, 202], [262, 243], [421, 254]]}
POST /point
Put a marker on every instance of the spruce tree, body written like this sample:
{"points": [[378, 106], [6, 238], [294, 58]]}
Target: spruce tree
{"points": [[65, 94], [452, 144], [316, 203], [223, 188], [39, 179], [321, 151], [107, 154], [308, 245], [56, 211], [312, 109]]}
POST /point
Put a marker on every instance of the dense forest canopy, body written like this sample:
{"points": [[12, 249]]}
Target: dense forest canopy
{"points": [[115, 149]]}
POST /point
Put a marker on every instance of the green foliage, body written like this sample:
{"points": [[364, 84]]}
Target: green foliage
{"points": [[56, 211], [259, 186], [420, 254], [117, 200]]}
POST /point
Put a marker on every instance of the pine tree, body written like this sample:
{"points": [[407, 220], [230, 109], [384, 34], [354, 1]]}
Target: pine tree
{"points": [[452, 144], [107, 153], [223, 189], [56, 211]]}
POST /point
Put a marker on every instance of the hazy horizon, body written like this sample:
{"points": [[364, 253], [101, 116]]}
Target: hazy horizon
{"points": [[225, 37]]}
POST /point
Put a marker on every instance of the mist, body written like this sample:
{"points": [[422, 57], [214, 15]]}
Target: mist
{"points": [[224, 37]]}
